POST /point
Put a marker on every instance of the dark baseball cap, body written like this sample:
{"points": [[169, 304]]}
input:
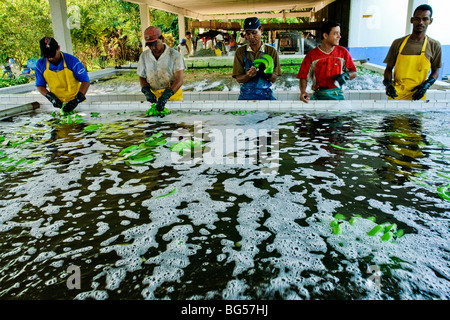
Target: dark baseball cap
{"points": [[48, 47], [252, 23]]}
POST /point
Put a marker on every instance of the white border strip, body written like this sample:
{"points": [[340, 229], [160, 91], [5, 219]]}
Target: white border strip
{"points": [[227, 101]]}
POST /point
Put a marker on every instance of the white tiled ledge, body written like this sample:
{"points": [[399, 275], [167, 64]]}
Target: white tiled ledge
{"points": [[227, 101], [356, 95], [272, 106]]}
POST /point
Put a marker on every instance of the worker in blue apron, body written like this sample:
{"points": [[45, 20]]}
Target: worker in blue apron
{"points": [[258, 87], [256, 65]]}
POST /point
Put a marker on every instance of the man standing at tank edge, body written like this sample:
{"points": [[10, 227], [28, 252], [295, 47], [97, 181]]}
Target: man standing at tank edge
{"points": [[413, 56], [255, 84], [65, 76], [329, 66], [160, 70]]}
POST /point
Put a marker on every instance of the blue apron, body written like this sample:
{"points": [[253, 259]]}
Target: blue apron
{"points": [[257, 88]]}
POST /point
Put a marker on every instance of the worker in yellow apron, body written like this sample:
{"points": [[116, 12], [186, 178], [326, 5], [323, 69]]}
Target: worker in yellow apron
{"points": [[62, 83], [410, 75], [63, 87], [163, 67]]}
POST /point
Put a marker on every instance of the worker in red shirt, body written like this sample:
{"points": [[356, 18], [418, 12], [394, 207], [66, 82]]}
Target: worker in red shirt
{"points": [[329, 66]]}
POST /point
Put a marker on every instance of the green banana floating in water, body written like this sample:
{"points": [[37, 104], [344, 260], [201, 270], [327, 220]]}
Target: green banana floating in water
{"points": [[186, 145], [389, 230], [336, 223], [144, 152], [396, 134], [66, 117], [167, 194], [10, 162], [444, 192], [343, 148], [267, 60], [8, 143], [92, 127], [242, 112]]}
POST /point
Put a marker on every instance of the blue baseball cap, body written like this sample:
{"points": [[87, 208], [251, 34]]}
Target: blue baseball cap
{"points": [[252, 23]]}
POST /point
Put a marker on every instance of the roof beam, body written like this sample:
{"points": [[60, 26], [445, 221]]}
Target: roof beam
{"points": [[281, 15], [160, 5], [170, 8], [323, 4]]}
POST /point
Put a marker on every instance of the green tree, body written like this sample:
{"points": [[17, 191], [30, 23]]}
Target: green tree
{"points": [[166, 21], [107, 28], [24, 22]]}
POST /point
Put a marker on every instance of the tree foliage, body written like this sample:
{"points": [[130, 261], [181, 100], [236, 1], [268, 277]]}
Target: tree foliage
{"points": [[23, 21], [107, 29]]}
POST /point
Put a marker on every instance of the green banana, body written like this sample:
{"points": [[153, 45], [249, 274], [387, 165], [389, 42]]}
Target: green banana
{"points": [[153, 112], [375, 230], [186, 145], [168, 194], [267, 60], [444, 192], [343, 148], [92, 127], [144, 152]]}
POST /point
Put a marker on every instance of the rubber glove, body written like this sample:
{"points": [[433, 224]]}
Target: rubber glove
{"points": [[72, 104], [422, 89], [342, 78], [160, 104], [390, 90], [149, 94], [262, 68], [54, 100]]}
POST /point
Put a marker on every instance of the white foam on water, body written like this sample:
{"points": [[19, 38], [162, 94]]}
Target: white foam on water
{"points": [[275, 226]]}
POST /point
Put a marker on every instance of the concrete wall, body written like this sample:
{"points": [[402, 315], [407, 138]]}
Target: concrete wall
{"points": [[374, 24], [439, 30]]}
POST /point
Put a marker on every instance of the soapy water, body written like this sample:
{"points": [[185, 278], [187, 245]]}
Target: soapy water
{"points": [[215, 82], [185, 227]]}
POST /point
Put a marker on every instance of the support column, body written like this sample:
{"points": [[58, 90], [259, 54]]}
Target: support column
{"points": [[145, 20], [61, 32], [181, 27]]}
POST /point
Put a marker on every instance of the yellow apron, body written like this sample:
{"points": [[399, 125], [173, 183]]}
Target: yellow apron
{"points": [[410, 71], [62, 83], [178, 96]]}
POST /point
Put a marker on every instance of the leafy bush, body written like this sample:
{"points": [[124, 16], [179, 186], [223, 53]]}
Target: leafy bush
{"points": [[13, 82]]}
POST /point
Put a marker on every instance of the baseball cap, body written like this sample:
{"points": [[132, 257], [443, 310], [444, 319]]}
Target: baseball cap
{"points": [[152, 34], [183, 41], [252, 23], [48, 47]]}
